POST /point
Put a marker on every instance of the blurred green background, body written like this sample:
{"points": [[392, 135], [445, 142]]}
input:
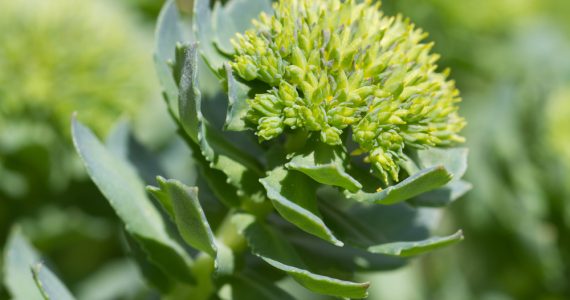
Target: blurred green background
{"points": [[511, 61]]}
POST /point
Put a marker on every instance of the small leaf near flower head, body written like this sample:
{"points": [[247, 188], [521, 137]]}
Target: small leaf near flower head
{"points": [[338, 64], [405, 249]]}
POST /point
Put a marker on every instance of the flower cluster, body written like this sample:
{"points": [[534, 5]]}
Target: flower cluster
{"points": [[332, 65]]}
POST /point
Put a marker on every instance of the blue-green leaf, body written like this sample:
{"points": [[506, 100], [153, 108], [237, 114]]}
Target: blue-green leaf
{"points": [[294, 196], [19, 258], [253, 287], [238, 106], [444, 195], [167, 35], [325, 164], [122, 142], [188, 215], [236, 16], [50, 286], [417, 184], [216, 180], [455, 162], [189, 102], [273, 248], [206, 35], [453, 159], [241, 169], [405, 249], [125, 192], [191, 221], [154, 276]]}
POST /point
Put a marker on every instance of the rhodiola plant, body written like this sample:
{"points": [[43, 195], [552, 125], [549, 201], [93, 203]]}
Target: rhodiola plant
{"points": [[327, 153]]}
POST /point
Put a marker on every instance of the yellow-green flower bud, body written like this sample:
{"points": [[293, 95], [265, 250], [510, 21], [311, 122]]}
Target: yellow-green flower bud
{"points": [[335, 64]]}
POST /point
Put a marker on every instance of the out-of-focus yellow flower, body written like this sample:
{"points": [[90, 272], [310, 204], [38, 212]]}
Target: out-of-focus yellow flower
{"points": [[61, 56], [57, 57]]}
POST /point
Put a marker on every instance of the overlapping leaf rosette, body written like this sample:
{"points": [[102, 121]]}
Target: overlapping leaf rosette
{"points": [[326, 154]]}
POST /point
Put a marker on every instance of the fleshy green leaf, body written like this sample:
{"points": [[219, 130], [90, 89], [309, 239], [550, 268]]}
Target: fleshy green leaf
{"points": [[189, 216], [234, 17], [203, 26], [192, 223], [167, 35], [19, 258], [189, 102], [238, 106], [250, 286], [405, 249], [444, 195], [453, 159], [324, 164], [241, 169], [126, 193], [216, 180], [421, 182], [294, 197], [50, 286], [153, 275], [272, 247], [122, 142]]}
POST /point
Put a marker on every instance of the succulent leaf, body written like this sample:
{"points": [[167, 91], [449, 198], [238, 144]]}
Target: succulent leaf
{"points": [[415, 248], [51, 287], [189, 215], [19, 257], [417, 184], [125, 192], [271, 246], [325, 165], [168, 34], [294, 197]]}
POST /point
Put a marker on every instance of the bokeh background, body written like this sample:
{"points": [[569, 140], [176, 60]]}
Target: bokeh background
{"points": [[510, 59]]}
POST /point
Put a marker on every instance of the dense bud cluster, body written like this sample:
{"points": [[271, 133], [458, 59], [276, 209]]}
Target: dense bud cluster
{"points": [[333, 65]]}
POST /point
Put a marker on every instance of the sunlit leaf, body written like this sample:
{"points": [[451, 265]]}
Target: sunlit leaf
{"points": [[238, 106], [167, 35], [416, 247], [325, 164], [271, 246], [189, 216], [421, 182], [126, 193], [248, 286], [19, 258], [234, 17], [50, 286], [294, 196], [206, 35]]}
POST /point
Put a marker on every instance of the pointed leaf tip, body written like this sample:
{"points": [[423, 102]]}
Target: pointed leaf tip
{"points": [[50, 286], [405, 249], [417, 184], [294, 196]]}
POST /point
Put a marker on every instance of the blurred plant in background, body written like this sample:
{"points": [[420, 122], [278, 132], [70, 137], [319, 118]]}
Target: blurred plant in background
{"points": [[511, 61], [57, 57]]}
